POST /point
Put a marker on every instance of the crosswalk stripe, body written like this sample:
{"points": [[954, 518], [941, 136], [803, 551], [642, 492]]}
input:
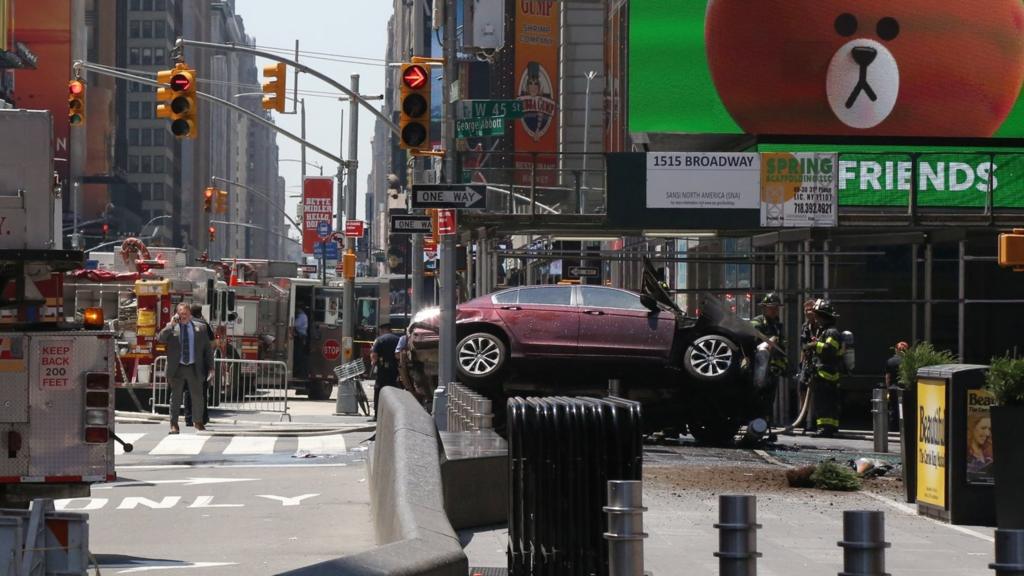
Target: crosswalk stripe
{"points": [[251, 445], [129, 438], [177, 444], [332, 444]]}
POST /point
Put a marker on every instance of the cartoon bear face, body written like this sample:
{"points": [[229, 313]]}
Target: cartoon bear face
{"points": [[867, 67]]}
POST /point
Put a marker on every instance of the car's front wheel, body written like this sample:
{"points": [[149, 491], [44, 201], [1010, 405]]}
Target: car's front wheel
{"points": [[711, 358], [480, 356]]}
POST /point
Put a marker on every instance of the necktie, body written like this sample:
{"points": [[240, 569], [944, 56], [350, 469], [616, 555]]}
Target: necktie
{"points": [[185, 359]]}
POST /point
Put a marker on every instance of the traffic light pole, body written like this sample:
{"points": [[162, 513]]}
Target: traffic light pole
{"points": [[348, 297], [446, 373], [262, 195]]}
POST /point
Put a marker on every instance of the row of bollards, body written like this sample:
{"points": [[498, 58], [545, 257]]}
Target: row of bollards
{"points": [[468, 411]]}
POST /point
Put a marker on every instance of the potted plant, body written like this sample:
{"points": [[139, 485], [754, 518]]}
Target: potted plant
{"points": [[1005, 379]]}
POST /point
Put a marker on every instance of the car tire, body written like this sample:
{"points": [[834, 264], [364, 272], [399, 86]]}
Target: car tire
{"points": [[319, 390], [480, 356], [720, 433], [711, 358]]}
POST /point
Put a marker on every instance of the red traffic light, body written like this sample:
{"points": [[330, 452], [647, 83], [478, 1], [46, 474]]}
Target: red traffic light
{"points": [[75, 87], [415, 77], [181, 82]]}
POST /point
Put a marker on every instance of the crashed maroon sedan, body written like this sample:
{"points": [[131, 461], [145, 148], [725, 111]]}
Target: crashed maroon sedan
{"points": [[571, 339]]}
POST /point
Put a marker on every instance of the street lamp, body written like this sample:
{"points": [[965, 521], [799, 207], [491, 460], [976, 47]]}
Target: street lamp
{"points": [[154, 219], [320, 166], [586, 135]]}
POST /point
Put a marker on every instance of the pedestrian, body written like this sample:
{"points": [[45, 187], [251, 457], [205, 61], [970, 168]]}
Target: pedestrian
{"points": [[197, 318], [382, 355], [189, 362], [826, 366], [300, 332], [892, 382], [771, 361]]}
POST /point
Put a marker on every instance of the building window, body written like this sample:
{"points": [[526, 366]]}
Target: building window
{"points": [[133, 29], [160, 5], [158, 164], [133, 56], [145, 190], [147, 165], [147, 5], [147, 28], [147, 137], [159, 56], [146, 110], [134, 5], [133, 164], [159, 29], [158, 137], [147, 56], [133, 136], [158, 191], [133, 110]]}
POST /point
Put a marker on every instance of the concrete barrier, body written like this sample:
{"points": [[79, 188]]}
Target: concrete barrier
{"points": [[415, 536]]}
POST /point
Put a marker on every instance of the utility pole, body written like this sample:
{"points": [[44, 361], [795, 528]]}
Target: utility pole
{"points": [[349, 301], [416, 250], [446, 373]]}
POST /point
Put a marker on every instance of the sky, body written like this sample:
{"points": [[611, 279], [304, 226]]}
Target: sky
{"points": [[341, 28]]}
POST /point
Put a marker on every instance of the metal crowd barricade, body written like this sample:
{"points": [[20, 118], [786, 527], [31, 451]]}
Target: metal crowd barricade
{"points": [[562, 453], [468, 411], [238, 385]]}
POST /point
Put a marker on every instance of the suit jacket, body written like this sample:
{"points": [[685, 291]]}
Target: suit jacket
{"points": [[170, 335]]}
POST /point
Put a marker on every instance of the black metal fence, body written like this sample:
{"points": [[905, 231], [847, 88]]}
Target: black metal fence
{"points": [[562, 452]]}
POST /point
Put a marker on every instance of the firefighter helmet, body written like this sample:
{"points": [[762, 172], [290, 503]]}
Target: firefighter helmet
{"points": [[824, 307], [771, 299]]}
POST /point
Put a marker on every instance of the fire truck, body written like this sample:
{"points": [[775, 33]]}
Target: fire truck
{"points": [[56, 377]]}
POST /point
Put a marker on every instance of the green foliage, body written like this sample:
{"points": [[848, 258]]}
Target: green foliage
{"points": [[918, 356], [1005, 379], [832, 476]]}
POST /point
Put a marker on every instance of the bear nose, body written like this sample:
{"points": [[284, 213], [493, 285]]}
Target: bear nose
{"points": [[864, 55]]}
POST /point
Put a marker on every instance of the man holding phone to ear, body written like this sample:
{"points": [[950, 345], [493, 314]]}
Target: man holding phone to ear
{"points": [[189, 362]]}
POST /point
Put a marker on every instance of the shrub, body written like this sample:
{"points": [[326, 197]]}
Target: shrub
{"points": [[1005, 379], [918, 356], [830, 475]]}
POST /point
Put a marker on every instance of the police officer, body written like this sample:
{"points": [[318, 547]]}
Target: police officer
{"points": [[769, 324], [826, 365], [383, 357]]}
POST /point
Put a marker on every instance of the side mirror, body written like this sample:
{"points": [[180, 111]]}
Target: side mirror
{"points": [[649, 302]]}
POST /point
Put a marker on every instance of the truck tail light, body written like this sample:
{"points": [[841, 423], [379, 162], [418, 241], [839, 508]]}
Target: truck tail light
{"points": [[97, 400], [97, 435], [93, 317], [97, 381]]}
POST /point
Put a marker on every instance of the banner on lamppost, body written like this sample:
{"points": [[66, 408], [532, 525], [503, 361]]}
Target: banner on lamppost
{"points": [[317, 206]]}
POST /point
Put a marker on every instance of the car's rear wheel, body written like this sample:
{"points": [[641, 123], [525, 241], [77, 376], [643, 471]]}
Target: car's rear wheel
{"points": [[480, 356], [711, 358]]}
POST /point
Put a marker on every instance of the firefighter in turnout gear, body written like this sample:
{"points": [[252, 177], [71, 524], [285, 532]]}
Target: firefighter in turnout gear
{"points": [[771, 362], [826, 364]]}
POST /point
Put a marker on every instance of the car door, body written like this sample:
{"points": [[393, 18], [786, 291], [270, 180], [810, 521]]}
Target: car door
{"points": [[542, 322], [615, 324]]}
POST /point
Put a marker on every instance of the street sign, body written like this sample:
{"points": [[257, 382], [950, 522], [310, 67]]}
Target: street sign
{"points": [[457, 196], [354, 228], [429, 244], [468, 109], [584, 271], [478, 127], [446, 222], [410, 224], [323, 229], [332, 250]]}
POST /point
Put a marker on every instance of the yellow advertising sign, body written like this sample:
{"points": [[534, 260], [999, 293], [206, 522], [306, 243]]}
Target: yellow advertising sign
{"points": [[931, 442]]}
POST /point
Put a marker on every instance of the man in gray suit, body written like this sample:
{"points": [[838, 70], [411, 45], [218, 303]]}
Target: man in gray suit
{"points": [[189, 362]]}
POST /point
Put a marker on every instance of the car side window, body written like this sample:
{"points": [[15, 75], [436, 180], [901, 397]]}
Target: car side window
{"points": [[606, 298], [506, 297], [550, 295]]}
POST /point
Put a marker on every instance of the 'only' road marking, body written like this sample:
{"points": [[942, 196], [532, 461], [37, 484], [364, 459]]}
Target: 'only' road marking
{"points": [[165, 503]]}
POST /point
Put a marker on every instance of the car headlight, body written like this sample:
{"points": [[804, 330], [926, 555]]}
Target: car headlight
{"points": [[426, 315]]}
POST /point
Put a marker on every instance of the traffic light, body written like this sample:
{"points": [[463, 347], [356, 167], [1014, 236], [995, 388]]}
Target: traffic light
{"points": [[76, 102], [106, 230], [213, 233], [1011, 249], [208, 199], [178, 100], [274, 89], [222, 201], [414, 121]]}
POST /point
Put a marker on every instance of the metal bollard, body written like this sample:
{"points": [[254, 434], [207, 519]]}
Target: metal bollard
{"points": [[1009, 553], [880, 418], [737, 536], [615, 387], [625, 533], [863, 543]]}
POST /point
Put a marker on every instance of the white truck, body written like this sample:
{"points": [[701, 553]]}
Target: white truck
{"points": [[56, 377]]}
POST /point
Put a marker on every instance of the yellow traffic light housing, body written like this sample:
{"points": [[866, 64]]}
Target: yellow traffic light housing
{"points": [[1011, 250], [208, 199], [177, 100], [76, 102], [222, 201], [414, 120], [274, 89], [213, 233]]}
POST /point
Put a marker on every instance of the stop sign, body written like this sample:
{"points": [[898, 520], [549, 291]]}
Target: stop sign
{"points": [[331, 350]]}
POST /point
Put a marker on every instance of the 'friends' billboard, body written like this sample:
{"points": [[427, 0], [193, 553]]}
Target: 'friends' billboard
{"points": [[936, 68]]}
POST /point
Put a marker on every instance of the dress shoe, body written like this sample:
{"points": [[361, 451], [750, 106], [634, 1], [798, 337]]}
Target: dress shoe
{"points": [[200, 427], [174, 430]]}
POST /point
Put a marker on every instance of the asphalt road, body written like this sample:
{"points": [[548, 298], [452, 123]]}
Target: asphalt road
{"points": [[220, 505]]}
